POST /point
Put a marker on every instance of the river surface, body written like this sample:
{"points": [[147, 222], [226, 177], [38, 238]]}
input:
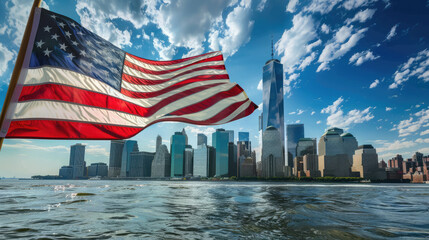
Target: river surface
{"points": [[61, 209]]}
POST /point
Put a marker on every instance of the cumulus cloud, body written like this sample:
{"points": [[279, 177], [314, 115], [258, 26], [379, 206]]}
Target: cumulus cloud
{"points": [[338, 118], [261, 5], [321, 6], [352, 4], [361, 57], [325, 28], [300, 111], [204, 130], [424, 132], [374, 84], [289, 82], [391, 33], [344, 39], [260, 85], [312, 113], [388, 109], [319, 122], [97, 150], [291, 6], [5, 57], [396, 145], [38, 148], [415, 67], [362, 16], [421, 140], [165, 51], [413, 124]]}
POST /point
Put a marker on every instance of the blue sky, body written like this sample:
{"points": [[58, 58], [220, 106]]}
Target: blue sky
{"points": [[362, 65]]}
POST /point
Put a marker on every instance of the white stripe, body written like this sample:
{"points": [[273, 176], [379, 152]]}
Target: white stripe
{"points": [[153, 88], [154, 67], [136, 73], [71, 112], [234, 114], [69, 78]]}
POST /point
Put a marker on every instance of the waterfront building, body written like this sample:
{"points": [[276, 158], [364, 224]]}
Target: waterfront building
{"points": [[220, 140], [77, 160], [294, 133], [129, 147], [335, 153], [306, 146], [247, 168], [186, 136], [230, 135], [382, 164], [273, 109], [158, 143], [204, 161], [212, 161], [115, 157], [272, 154], [66, 172], [97, 169], [365, 163], [243, 137], [141, 164], [310, 164], [259, 169], [243, 152], [178, 143], [188, 160], [161, 165], [201, 139], [232, 159]]}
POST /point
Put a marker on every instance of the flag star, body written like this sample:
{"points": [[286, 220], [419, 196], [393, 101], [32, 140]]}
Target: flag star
{"points": [[61, 24], [68, 34], [40, 43], [47, 52], [71, 56], [73, 25], [74, 43], [47, 28], [83, 53], [63, 46], [53, 16], [55, 36]]}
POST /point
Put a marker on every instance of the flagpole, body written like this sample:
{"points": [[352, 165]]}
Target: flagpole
{"points": [[18, 64]]}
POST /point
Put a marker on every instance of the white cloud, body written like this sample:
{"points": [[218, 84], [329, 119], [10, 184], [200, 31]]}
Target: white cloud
{"points": [[362, 16], [294, 43], [312, 113], [35, 147], [424, 132], [325, 28], [415, 67], [388, 109], [297, 121], [421, 140], [205, 130], [344, 39], [291, 6], [319, 122], [352, 4], [413, 124], [287, 85], [361, 57], [5, 57], [261, 5], [337, 118], [261, 106], [259, 85], [321, 6], [396, 145], [97, 150], [424, 150], [165, 52], [392, 33], [292, 113], [374, 84], [300, 111]]}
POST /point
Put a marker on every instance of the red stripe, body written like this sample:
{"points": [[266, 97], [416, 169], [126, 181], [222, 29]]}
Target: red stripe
{"points": [[85, 97], [141, 81], [145, 70], [217, 67], [50, 129], [163, 63]]}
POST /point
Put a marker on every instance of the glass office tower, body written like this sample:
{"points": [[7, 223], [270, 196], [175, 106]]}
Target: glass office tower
{"points": [[243, 136], [129, 147], [178, 143], [294, 133], [220, 140], [77, 160]]}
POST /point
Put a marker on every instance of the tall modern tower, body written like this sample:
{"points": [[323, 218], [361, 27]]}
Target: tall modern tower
{"points": [[115, 158], [273, 107], [178, 143], [77, 160], [220, 140], [201, 139], [129, 147], [294, 133]]}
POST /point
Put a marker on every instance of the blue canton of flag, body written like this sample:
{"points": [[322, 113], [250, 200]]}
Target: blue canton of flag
{"points": [[61, 42]]}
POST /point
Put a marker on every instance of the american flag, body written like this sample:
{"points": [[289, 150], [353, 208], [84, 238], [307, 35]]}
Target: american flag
{"points": [[80, 86]]}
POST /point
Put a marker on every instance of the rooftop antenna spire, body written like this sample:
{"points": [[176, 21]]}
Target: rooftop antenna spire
{"points": [[272, 48]]}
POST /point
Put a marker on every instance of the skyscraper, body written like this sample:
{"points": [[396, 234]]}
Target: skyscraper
{"points": [[161, 165], [115, 157], [178, 143], [129, 147], [220, 140], [365, 163], [231, 135], [158, 142], [97, 169], [272, 154], [201, 139], [294, 132], [141, 164], [306, 146], [77, 160], [243, 136], [188, 158], [273, 108]]}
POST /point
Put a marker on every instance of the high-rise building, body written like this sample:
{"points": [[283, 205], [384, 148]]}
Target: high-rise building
{"points": [[186, 136], [365, 163], [161, 165], [77, 160], [243, 152], [129, 147], [220, 140], [66, 172], [243, 137], [204, 161], [141, 164], [115, 157], [230, 135], [97, 169], [201, 139], [232, 159], [273, 114], [272, 154], [188, 158], [158, 142], [178, 143], [306, 146], [294, 133]]}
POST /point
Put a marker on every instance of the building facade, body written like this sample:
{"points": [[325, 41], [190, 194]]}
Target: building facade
{"points": [[365, 163], [188, 160], [272, 154], [115, 157], [220, 140], [129, 147], [97, 169], [306, 146], [201, 139], [141, 164], [161, 165], [294, 133], [77, 160], [178, 143], [66, 172]]}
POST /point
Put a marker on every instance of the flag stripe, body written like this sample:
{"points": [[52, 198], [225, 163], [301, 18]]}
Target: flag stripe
{"points": [[216, 60], [165, 65], [140, 81]]}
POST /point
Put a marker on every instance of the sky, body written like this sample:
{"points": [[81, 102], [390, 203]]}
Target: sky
{"points": [[361, 65]]}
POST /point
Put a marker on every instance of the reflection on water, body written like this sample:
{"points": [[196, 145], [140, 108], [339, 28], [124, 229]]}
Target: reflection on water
{"points": [[211, 210]]}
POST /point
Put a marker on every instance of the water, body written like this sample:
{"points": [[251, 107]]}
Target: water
{"points": [[211, 210]]}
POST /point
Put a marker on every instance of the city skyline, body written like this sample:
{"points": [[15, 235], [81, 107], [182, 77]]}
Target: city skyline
{"points": [[364, 72]]}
